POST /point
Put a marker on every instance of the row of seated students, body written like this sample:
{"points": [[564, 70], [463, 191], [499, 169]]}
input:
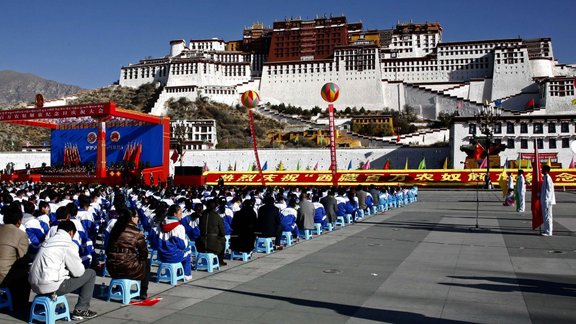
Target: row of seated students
{"points": [[140, 219]]}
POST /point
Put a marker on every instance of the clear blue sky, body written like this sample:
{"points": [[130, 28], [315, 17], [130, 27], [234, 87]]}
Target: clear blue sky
{"points": [[85, 43]]}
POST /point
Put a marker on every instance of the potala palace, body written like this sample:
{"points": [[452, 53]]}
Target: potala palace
{"points": [[375, 69]]}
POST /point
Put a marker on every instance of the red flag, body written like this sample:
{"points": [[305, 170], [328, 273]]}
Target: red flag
{"points": [[366, 165], [530, 103], [126, 156], [205, 168], [387, 165], [137, 154], [234, 165], [174, 156], [398, 138], [65, 154], [484, 163], [571, 166], [537, 219], [478, 151], [316, 166], [78, 159]]}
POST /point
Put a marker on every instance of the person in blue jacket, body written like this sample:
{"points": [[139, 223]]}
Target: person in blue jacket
{"points": [[172, 240]]}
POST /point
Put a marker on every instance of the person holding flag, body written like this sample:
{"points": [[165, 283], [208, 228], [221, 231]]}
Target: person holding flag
{"points": [[547, 200]]}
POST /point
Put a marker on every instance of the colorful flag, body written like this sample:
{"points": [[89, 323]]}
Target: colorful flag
{"points": [[478, 151], [316, 166], [205, 168], [486, 102], [530, 103], [460, 104], [298, 166], [174, 156], [366, 165], [234, 165], [498, 103], [549, 163], [350, 165], [265, 166], [571, 166], [406, 164], [220, 166], [445, 166], [537, 219], [422, 164], [387, 165], [280, 166], [484, 163]]}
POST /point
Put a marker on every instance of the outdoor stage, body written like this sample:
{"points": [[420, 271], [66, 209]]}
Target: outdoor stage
{"points": [[97, 143]]}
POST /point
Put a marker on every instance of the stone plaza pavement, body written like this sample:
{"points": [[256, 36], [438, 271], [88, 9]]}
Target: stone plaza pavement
{"points": [[425, 262]]}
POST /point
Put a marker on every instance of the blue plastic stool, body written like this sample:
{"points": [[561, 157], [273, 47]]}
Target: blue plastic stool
{"points": [[49, 313], [154, 258], [193, 250], [244, 256], [227, 244], [6, 299], [305, 234], [317, 229], [286, 239], [122, 289], [340, 221], [264, 244], [329, 227], [170, 272], [207, 261], [374, 209], [348, 218]]}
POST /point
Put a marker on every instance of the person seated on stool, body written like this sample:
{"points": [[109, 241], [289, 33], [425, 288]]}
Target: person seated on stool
{"points": [[243, 226], [212, 234], [14, 256], [127, 253], [172, 240], [58, 270]]}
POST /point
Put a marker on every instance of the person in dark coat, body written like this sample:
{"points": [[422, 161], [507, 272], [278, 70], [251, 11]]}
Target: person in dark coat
{"points": [[243, 226], [330, 206], [212, 234], [127, 254], [268, 223]]}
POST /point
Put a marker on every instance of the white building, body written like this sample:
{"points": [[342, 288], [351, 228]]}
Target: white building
{"points": [[198, 134], [553, 134], [410, 66]]}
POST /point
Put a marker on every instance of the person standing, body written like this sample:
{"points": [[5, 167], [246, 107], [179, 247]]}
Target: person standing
{"points": [[14, 255], [58, 270], [509, 201], [520, 192], [547, 200]]}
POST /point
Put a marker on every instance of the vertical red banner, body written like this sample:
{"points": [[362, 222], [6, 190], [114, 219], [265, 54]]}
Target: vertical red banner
{"points": [[101, 150], [333, 163], [255, 146]]}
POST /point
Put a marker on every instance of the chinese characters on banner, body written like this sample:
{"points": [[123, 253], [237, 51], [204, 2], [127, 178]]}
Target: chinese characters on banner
{"points": [[432, 178]]}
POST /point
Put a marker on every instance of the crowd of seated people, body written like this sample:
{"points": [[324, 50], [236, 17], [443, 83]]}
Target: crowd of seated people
{"points": [[127, 222]]}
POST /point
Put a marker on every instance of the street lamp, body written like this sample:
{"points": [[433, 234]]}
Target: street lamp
{"points": [[486, 118]]}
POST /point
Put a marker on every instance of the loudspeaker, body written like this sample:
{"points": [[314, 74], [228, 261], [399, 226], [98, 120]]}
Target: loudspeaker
{"points": [[188, 170]]}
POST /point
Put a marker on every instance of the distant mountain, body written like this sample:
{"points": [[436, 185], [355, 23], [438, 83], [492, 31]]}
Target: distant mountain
{"points": [[18, 87]]}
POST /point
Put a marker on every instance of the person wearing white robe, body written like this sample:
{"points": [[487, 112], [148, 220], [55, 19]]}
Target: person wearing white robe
{"points": [[520, 192], [547, 200]]}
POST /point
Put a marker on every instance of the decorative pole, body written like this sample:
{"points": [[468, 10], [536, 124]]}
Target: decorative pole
{"points": [[330, 93], [250, 100]]}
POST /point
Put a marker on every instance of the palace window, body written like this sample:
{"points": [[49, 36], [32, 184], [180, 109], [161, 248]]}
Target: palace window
{"points": [[510, 143], [551, 128], [472, 129], [538, 128], [540, 143], [564, 127], [498, 128], [523, 128], [509, 128], [523, 143], [552, 143], [565, 143]]}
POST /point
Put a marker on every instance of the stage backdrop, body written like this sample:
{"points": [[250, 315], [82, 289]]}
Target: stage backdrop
{"points": [[118, 141]]}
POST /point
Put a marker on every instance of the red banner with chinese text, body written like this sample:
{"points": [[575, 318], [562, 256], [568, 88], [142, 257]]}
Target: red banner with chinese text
{"points": [[424, 178]]}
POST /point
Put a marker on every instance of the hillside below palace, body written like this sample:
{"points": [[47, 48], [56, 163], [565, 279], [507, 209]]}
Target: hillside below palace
{"points": [[408, 65]]}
